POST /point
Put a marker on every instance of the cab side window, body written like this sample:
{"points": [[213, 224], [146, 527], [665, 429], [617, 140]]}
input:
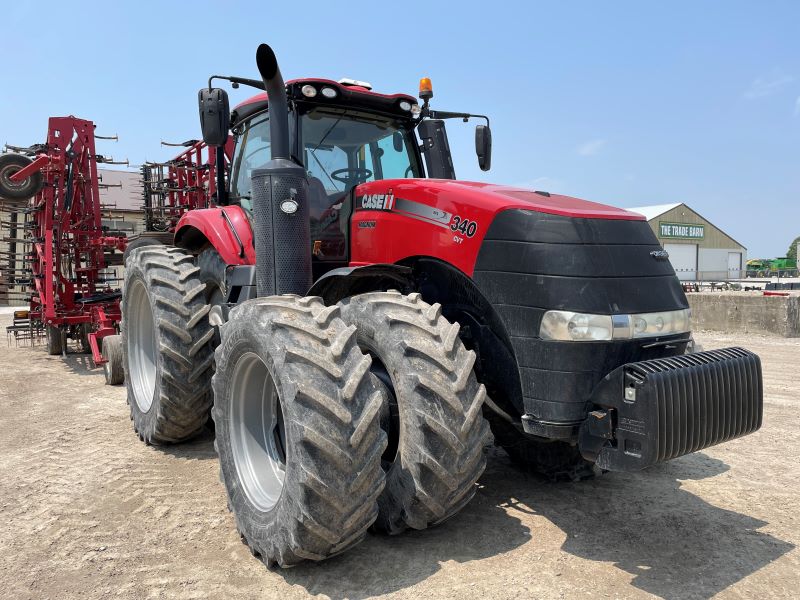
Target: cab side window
{"points": [[394, 157], [252, 152]]}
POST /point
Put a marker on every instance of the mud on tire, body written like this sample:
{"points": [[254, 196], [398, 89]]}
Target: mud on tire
{"points": [[436, 451], [166, 341], [289, 373]]}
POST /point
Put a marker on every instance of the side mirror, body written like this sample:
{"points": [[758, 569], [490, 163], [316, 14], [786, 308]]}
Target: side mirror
{"points": [[483, 146], [215, 115], [398, 142]]}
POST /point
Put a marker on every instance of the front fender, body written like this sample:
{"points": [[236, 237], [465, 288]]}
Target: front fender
{"points": [[226, 228], [349, 281]]}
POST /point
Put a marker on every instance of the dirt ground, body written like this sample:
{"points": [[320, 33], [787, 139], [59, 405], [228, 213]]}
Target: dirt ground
{"points": [[87, 511]]}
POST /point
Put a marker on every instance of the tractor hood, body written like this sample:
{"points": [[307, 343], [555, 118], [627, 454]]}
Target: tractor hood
{"points": [[493, 198]]}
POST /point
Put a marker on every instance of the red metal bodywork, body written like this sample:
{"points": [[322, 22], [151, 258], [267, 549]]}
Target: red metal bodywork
{"points": [[222, 232], [396, 235]]}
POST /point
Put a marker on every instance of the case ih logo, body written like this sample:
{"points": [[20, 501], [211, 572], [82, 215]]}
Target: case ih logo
{"points": [[378, 201]]}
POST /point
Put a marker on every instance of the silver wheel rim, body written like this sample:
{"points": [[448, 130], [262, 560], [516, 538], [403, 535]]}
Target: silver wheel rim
{"points": [[142, 353], [256, 432]]}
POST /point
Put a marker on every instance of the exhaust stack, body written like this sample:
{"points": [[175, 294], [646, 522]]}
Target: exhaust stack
{"points": [[278, 106], [280, 198]]}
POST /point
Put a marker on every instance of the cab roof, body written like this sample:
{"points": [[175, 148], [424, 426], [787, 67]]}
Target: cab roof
{"points": [[351, 96]]}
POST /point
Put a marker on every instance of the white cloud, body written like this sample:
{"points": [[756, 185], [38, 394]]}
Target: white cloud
{"points": [[768, 84], [591, 147]]}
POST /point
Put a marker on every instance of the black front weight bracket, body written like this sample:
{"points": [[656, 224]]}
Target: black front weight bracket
{"points": [[652, 411]]}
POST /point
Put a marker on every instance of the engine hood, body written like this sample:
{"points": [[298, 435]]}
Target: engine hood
{"points": [[494, 197]]}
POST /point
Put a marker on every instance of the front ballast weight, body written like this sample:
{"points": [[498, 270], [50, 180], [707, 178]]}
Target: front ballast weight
{"points": [[656, 410]]}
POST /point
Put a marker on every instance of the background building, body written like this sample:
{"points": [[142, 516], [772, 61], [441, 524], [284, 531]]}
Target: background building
{"points": [[698, 250]]}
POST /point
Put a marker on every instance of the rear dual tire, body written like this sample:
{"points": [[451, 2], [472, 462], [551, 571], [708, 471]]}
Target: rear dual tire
{"points": [[167, 344]]}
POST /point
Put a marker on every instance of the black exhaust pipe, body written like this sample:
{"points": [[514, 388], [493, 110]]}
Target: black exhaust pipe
{"points": [[278, 106], [280, 193]]}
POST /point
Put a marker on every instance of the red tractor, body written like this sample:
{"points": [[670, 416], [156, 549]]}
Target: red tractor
{"points": [[355, 320]]}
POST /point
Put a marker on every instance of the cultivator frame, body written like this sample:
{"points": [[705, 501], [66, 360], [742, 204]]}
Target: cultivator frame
{"points": [[187, 182], [64, 243]]}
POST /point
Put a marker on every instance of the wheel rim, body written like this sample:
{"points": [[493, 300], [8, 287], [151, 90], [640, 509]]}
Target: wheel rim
{"points": [[142, 353], [257, 433]]}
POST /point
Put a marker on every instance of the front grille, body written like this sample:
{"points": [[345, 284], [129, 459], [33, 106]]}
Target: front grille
{"points": [[666, 407]]}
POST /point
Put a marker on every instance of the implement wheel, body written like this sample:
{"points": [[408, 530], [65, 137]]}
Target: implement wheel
{"points": [[55, 341], [299, 441], [166, 341], [27, 188], [433, 416], [112, 352]]}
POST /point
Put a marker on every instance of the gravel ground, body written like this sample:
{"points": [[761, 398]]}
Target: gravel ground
{"points": [[87, 511]]}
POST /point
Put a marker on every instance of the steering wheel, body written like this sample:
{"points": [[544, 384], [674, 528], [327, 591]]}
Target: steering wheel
{"points": [[354, 175]]}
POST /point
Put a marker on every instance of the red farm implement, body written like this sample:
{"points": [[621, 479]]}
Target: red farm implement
{"points": [[187, 182], [59, 250]]}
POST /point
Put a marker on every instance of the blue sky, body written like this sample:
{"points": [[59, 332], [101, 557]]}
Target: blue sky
{"points": [[627, 103]]}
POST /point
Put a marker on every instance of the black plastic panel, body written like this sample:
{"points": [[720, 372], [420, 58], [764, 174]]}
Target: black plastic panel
{"points": [[531, 226], [605, 295], [532, 262], [574, 260]]}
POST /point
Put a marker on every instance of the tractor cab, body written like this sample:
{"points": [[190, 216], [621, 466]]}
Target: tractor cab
{"points": [[344, 135]]}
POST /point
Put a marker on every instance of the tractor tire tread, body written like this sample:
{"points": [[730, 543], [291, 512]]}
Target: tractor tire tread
{"points": [[333, 477], [183, 386], [440, 399]]}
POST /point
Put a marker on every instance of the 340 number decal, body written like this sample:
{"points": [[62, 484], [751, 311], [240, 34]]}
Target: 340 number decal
{"points": [[464, 226]]}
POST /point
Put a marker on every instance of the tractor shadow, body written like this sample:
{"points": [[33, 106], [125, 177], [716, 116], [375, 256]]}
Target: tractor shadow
{"points": [[673, 543], [200, 447]]}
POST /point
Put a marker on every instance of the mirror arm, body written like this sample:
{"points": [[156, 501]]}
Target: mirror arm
{"points": [[443, 114], [236, 81]]}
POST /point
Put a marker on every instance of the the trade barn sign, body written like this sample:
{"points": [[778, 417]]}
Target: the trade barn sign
{"points": [[682, 231]]}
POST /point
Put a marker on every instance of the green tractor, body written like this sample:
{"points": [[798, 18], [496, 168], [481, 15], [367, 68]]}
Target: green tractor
{"points": [[774, 267]]}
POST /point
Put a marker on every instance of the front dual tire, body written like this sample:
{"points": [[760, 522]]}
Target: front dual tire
{"points": [[433, 416], [296, 412], [306, 398]]}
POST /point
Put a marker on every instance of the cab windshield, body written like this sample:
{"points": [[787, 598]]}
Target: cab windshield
{"points": [[339, 149]]}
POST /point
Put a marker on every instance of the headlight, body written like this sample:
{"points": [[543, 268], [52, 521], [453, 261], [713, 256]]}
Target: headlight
{"points": [[309, 91], [565, 325], [329, 92]]}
